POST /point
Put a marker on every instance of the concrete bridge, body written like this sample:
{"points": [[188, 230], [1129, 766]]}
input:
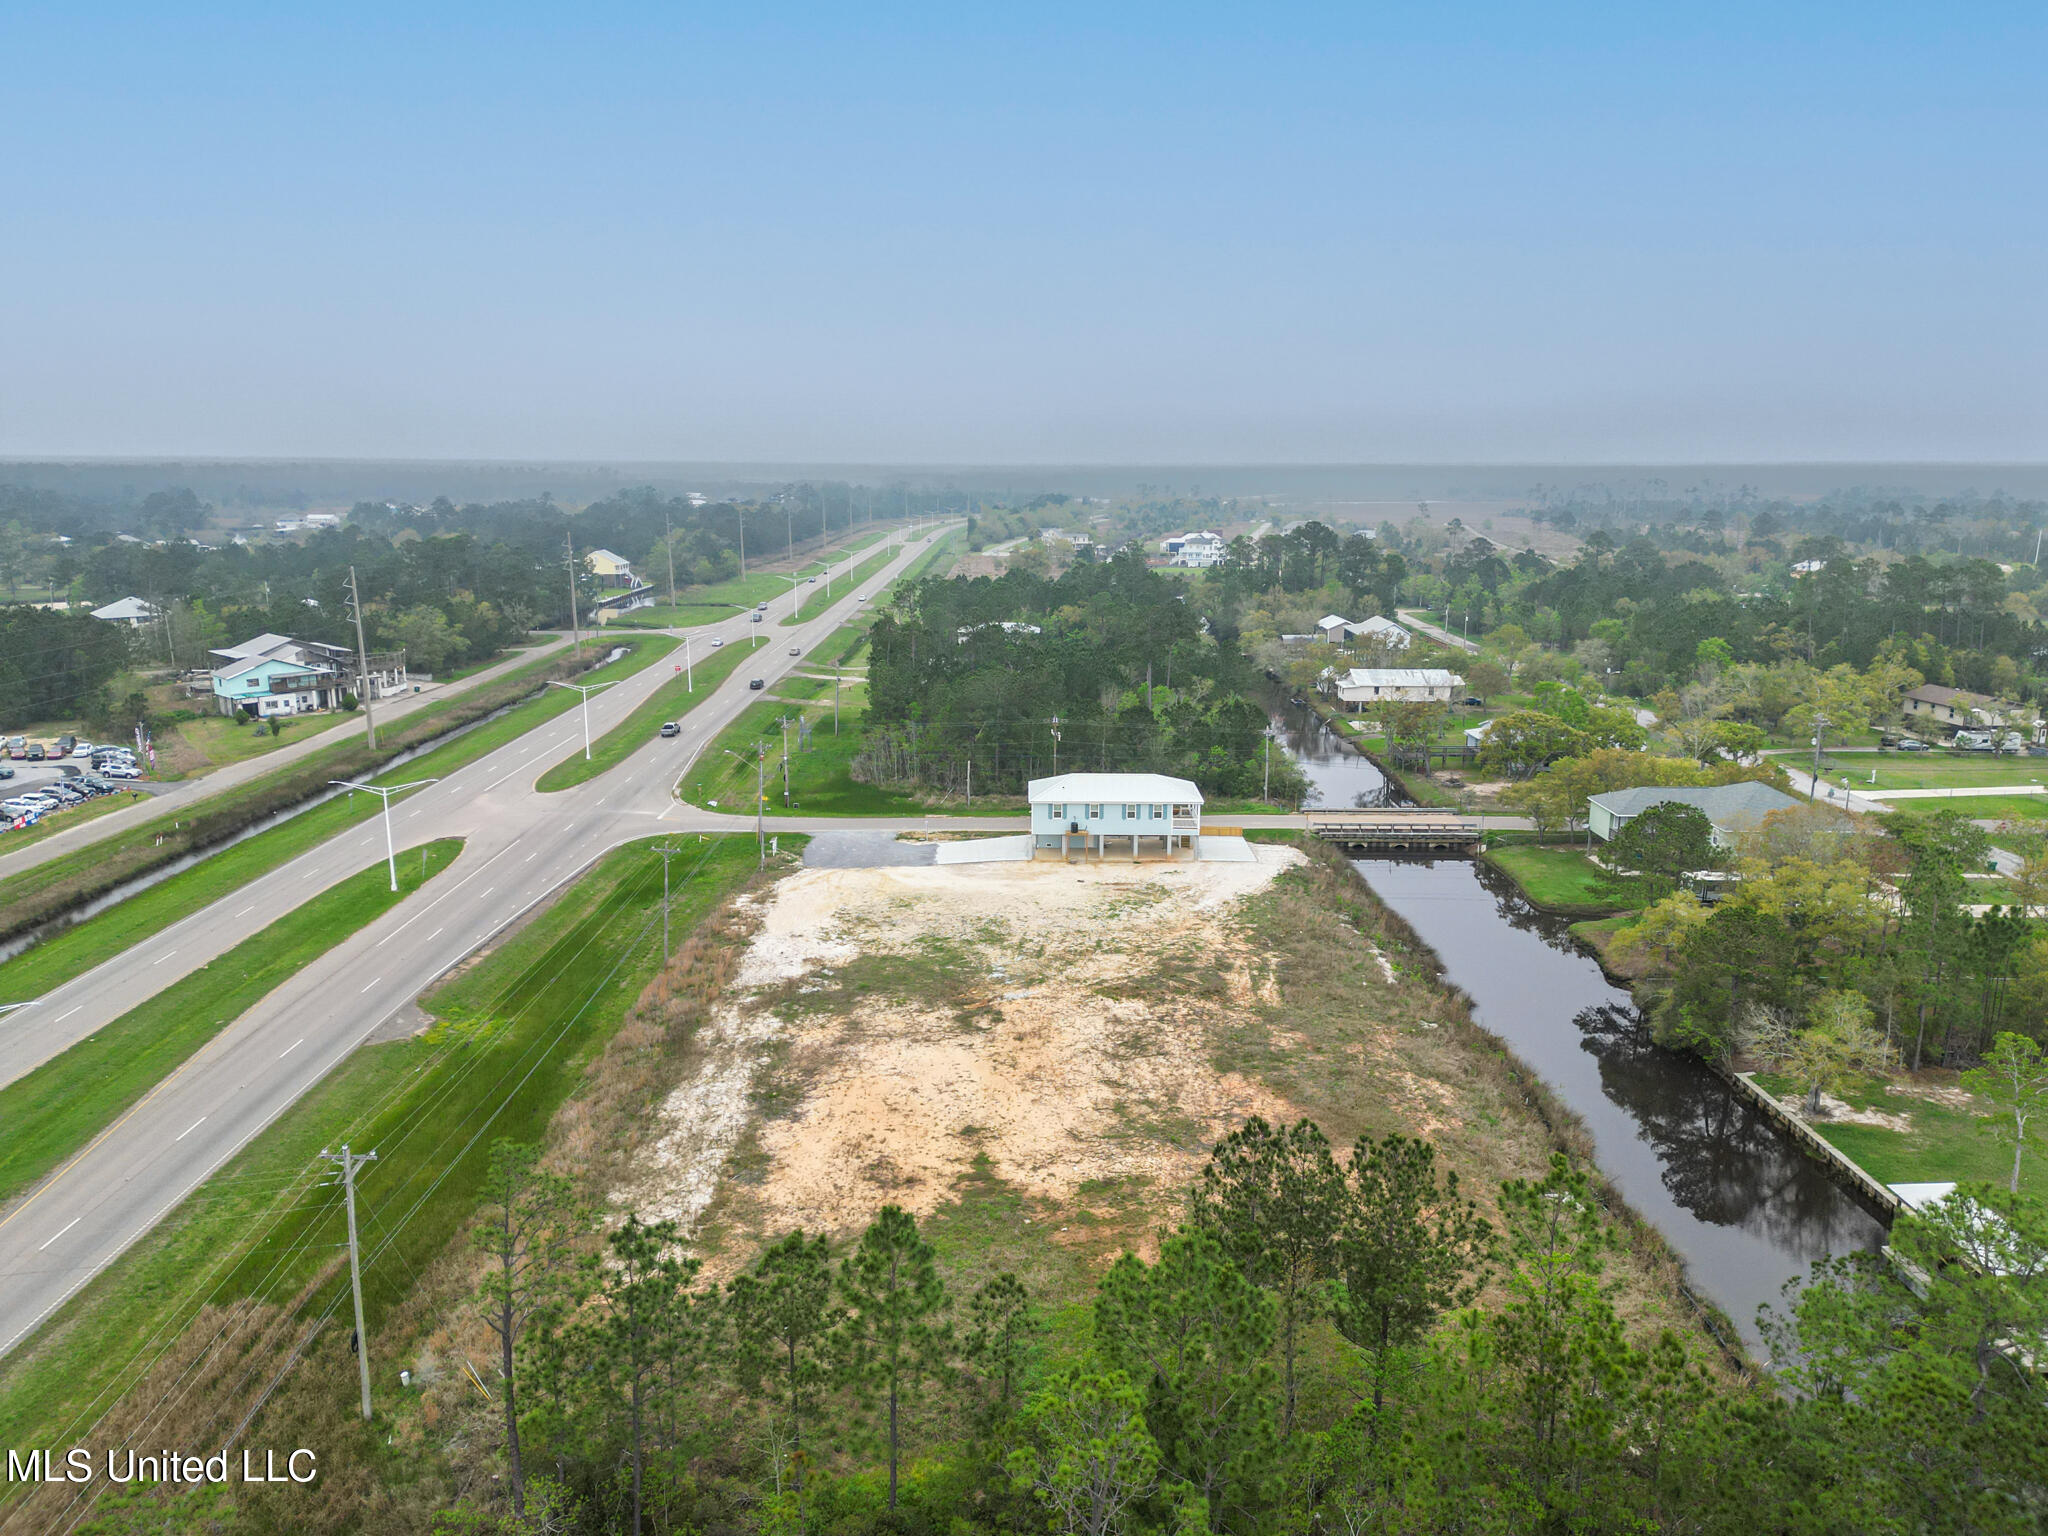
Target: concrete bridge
{"points": [[1410, 829]]}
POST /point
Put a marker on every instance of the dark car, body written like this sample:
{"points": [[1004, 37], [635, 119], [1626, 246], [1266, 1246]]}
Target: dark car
{"points": [[757, 684], [6, 773], [670, 728], [1475, 701]]}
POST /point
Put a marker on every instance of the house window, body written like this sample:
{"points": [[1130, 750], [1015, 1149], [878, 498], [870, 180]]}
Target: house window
{"points": [[1056, 812], [1130, 813], [1158, 813], [1095, 813]]}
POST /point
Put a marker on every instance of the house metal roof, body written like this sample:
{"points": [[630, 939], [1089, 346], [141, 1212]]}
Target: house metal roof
{"points": [[1099, 787], [1725, 805]]}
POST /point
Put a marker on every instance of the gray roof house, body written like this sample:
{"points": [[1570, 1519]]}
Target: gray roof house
{"points": [[1732, 808]]}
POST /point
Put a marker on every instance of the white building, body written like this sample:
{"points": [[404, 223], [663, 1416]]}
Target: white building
{"points": [[1335, 628], [1070, 810], [1364, 686], [132, 611], [1201, 549]]}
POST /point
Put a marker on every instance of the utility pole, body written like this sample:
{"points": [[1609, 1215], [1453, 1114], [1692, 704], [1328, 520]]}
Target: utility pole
{"points": [[1266, 784], [666, 855], [1819, 723], [836, 669], [741, 514], [575, 630], [970, 778], [350, 1166], [784, 723], [586, 689], [355, 606], [384, 794], [760, 794], [1055, 745]]}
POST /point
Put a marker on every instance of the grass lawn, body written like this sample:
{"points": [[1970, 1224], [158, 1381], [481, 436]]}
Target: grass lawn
{"points": [[820, 782], [1927, 770], [77, 949], [672, 700], [1979, 807], [217, 741], [51, 825], [1942, 1142], [1559, 879], [62, 1104], [518, 1028]]}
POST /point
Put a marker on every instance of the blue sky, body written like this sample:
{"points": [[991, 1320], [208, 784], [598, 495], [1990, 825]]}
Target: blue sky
{"points": [[1047, 233]]}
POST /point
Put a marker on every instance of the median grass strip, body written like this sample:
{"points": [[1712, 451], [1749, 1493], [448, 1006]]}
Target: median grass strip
{"points": [[77, 949], [56, 1109], [671, 701], [849, 580], [722, 599], [518, 1029]]}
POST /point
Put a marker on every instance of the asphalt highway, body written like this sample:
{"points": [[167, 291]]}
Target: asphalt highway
{"points": [[520, 846]]}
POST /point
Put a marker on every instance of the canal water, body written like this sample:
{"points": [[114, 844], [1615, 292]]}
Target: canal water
{"points": [[1739, 1203]]}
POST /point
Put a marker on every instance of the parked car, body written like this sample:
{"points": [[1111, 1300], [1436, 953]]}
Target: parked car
{"points": [[670, 728], [757, 684], [17, 746], [6, 773], [66, 745], [120, 771], [1475, 701], [1913, 744], [35, 752]]}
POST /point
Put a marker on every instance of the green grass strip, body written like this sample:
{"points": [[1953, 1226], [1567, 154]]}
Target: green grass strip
{"points": [[672, 700], [519, 1029], [849, 581], [77, 949], [60, 1106]]}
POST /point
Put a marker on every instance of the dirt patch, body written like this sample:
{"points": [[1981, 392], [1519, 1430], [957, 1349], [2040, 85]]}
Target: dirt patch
{"points": [[1947, 1095], [892, 1032], [1834, 1111]]}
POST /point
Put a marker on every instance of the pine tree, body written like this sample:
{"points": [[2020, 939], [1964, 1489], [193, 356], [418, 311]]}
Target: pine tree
{"points": [[1274, 1199], [782, 1320], [1002, 1326], [647, 1325], [893, 1339]]}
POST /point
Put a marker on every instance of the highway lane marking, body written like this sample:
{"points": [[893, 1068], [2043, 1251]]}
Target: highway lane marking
{"points": [[373, 981], [531, 857], [290, 1048], [189, 1129], [436, 934], [160, 959], [245, 911], [63, 1016], [74, 1221]]}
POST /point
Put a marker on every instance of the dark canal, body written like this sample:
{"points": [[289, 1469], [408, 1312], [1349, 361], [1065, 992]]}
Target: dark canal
{"points": [[1738, 1202]]}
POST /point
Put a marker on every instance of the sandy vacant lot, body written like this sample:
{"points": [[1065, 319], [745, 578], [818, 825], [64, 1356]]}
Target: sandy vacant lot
{"points": [[887, 1027]]}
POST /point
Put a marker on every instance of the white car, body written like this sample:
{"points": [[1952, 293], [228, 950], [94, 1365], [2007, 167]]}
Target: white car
{"points": [[120, 771], [716, 642]]}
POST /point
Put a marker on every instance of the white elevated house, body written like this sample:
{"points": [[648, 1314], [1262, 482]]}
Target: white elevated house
{"points": [[1202, 548], [1074, 809], [1362, 687]]}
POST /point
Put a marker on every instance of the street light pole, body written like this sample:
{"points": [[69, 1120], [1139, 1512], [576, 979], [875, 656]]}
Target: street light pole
{"points": [[586, 689], [384, 794], [689, 671], [796, 604]]}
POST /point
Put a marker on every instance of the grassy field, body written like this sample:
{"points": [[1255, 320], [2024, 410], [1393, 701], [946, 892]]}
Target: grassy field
{"points": [[1979, 807], [1556, 879], [78, 949], [517, 1030], [1928, 770], [672, 700], [62, 1104], [1941, 1141], [49, 826], [820, 781]]}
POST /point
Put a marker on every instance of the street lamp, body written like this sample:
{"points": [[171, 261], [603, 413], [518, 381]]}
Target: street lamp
{"points": [[390, 848], [796, 601], [586, 689]]}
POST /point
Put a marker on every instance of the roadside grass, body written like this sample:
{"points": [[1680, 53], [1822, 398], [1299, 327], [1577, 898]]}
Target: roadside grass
{"points": [[74, 950], [1557, 879], [1978, 807], [1928, 770], [217, 741], [518, 1027], [849, 579], [56, 1109], [1941, 1142], [672, 700], [50, 826]]}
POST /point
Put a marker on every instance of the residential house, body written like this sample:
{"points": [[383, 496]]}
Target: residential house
{"points": [[1731, 808], [1202, 549], [323, 519], [1069, 811], [1363, 686], [1943, 706], [132, 611], [276, 675], [611, 570]]}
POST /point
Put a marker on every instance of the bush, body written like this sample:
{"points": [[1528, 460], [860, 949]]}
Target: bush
{"points": [[351, 703]]}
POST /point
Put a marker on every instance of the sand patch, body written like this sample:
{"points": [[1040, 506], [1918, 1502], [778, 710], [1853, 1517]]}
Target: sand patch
{"points": [[1022, 1018]]}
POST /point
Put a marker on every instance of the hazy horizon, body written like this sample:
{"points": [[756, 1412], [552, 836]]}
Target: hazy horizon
{"points": [[799, 235]]}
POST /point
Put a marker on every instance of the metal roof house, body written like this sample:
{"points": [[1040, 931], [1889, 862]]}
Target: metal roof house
{"points": [[276, 675], [132, 611], [1732, 808], [1362, 686], [1070, 812]]}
